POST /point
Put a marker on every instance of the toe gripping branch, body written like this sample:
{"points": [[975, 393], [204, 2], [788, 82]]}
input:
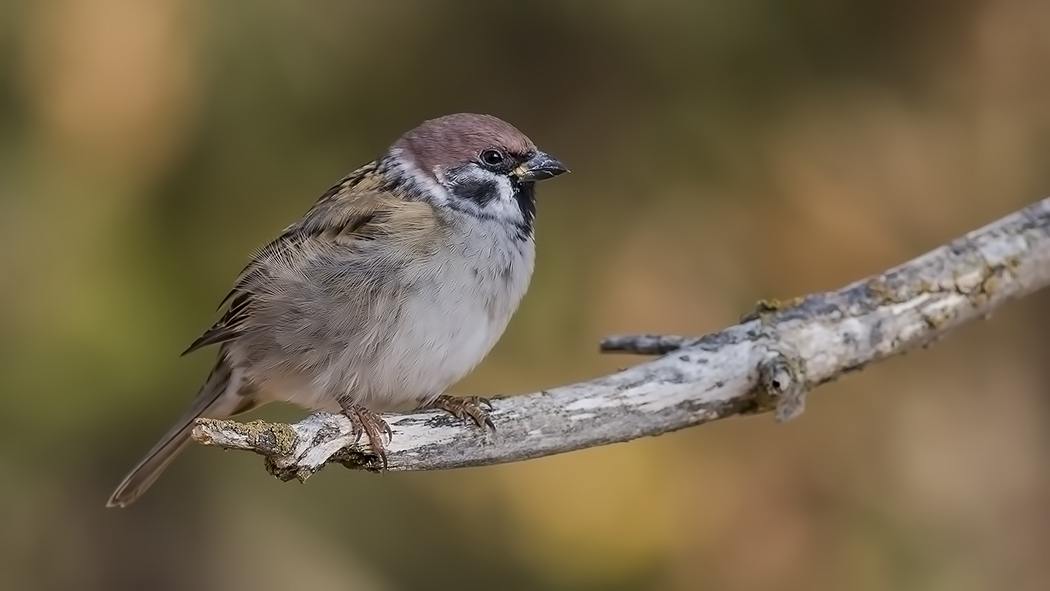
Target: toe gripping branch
{"points": [[474, 408], [296, 452]]}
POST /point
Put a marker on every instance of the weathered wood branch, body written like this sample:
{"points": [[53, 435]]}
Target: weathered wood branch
{"points": [[766, 363]]}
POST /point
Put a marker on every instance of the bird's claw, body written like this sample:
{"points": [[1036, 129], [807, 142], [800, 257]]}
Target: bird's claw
{"points": [[367, 422], [475, 408]]}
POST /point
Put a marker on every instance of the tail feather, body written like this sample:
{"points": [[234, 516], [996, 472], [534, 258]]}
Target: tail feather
{"points": [[218, 398]]}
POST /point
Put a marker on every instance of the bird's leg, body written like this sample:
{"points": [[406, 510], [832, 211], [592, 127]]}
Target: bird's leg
{"points": [[472, 407], [365, 421]]}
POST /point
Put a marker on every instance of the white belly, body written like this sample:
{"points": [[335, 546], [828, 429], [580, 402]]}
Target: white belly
{"points": [[451, 323]]}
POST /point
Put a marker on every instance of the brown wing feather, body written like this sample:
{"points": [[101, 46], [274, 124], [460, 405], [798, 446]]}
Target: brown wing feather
{"points": [[358, 207]]}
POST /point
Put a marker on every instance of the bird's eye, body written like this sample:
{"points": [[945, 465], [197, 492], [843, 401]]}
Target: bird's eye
{"points": [[492, 157]]}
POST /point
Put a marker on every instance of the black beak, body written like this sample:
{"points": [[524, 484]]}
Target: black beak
{"points": [[539, 168]]}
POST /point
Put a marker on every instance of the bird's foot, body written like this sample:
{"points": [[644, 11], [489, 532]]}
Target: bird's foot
{"points": [[474, 408], [367, 422]]}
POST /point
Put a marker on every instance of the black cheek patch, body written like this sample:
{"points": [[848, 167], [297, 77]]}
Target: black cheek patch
{"points": [[477, 190]]}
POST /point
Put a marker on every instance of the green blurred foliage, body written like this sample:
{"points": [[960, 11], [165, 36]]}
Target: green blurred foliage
{"points": [[722, 151]]}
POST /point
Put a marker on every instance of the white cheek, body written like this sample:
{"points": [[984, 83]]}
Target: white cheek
{"points": [[436, 193], [506, 206]]}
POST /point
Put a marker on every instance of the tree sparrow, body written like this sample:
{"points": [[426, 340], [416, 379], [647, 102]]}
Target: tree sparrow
{"points": [[391, 288]]}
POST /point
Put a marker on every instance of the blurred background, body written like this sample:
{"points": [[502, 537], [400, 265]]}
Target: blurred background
{"points": [[722, 151]]}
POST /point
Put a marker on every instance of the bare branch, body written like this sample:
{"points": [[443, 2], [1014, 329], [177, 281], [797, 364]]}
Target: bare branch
{"points": [[766, 363]]}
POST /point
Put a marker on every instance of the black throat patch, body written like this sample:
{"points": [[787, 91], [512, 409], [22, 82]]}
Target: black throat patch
{"points": [[525, 196]]}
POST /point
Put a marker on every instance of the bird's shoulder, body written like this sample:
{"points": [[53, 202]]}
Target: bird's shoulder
{"points": [[366, 204]]}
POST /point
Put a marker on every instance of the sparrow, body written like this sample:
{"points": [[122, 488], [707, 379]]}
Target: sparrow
{"points": [[391, 288]]}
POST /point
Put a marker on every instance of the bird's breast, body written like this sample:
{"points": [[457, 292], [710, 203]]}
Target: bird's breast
{"points": [[459, 303]]}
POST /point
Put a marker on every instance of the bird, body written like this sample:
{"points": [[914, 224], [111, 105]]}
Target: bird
{"points": [[393, 286]]}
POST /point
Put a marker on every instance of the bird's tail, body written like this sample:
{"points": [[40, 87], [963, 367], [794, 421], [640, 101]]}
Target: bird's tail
{"points": [[218, 398]]}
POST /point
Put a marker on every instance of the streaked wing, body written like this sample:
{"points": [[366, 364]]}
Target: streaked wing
{"points": [[359, 207]]}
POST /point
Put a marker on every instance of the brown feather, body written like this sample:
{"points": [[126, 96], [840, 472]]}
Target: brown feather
{"points": [[359, 207]]}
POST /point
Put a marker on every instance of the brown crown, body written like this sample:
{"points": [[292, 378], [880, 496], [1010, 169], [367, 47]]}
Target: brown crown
{"points": [[457, 139]]}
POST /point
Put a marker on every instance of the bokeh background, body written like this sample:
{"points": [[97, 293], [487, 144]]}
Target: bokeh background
{"points": [[723, 151]]}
